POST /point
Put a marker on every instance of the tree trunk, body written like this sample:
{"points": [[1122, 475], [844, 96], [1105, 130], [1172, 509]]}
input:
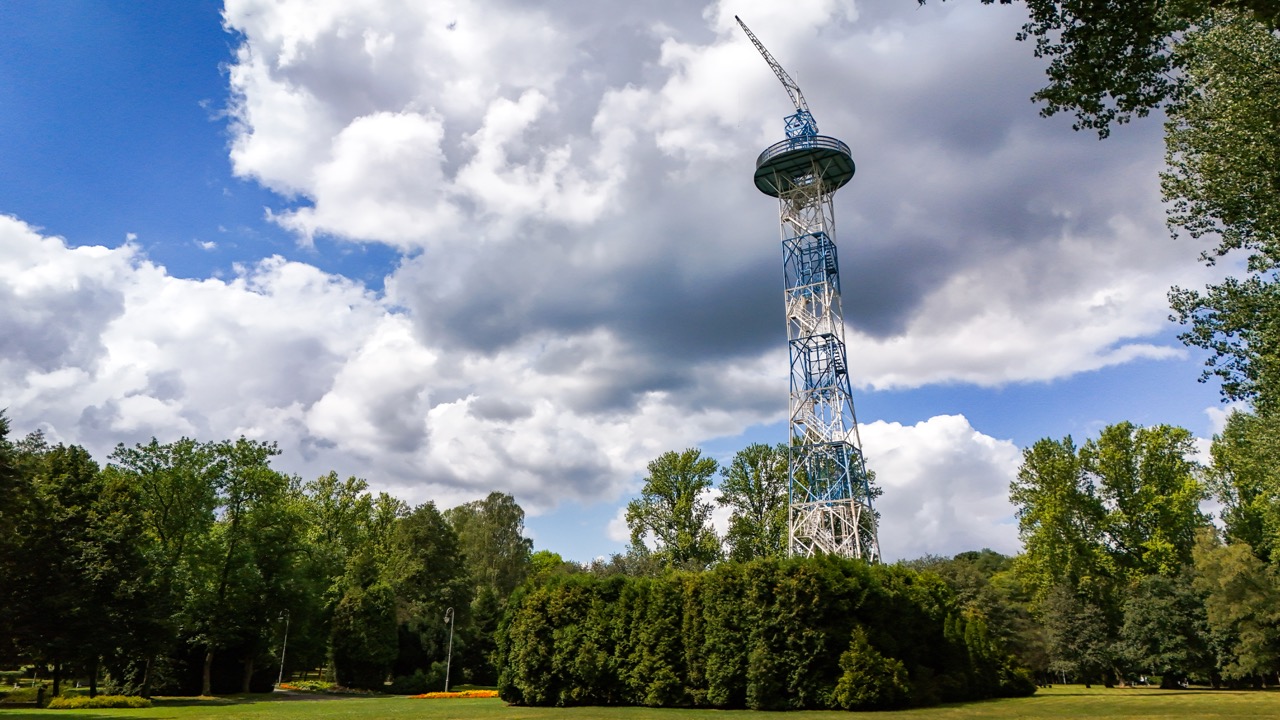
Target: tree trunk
{"points": [[93, 677], [57, 677], [248, 673], [206, 683], [1168, 682], [146, 678]]}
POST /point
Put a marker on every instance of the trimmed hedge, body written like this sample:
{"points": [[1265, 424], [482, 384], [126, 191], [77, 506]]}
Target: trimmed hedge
{"points": [[101, 701], [815, 633]]}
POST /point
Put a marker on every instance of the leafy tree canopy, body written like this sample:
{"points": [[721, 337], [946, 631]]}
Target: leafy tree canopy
{"points": [[673, 512], [754, 487], [1112, 61]]}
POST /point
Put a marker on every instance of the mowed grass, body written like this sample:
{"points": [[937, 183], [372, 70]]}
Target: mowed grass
{"points": [[1058, 702]]}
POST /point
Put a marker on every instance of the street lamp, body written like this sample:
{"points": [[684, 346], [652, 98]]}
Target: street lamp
{"points": [[283, 645], [448, 617]]}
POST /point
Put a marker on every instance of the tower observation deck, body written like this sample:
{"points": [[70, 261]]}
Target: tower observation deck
{"points": [[830, 491]]}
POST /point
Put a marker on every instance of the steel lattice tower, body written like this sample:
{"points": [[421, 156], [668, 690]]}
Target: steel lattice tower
{"points": [[830, 492]]}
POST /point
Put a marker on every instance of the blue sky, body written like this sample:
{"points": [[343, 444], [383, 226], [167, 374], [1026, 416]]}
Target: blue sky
{"points": [[494, 246]]}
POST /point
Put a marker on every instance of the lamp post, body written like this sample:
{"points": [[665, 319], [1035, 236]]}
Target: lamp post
{"points": [[448, 617], [284, 644]]}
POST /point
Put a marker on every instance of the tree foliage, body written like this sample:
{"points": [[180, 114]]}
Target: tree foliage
{"points": [[1165, 631], [673, 512], [1223, 181], [491, 538], [1109, 62], [1060, 518], [769, 634], [1245, 478], [754, 487], [1242, 605]]}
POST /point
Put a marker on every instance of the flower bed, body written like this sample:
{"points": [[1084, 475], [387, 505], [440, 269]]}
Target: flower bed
{"points": [[101, 701], [458, 694], [321, 686]]}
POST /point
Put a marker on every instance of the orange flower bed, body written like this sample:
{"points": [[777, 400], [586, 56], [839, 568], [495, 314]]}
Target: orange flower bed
{"points": [[459, 694]]}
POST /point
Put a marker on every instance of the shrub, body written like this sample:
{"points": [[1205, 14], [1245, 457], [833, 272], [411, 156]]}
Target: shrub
{"points": [[102, 701], [318, 686], [419, 682], [1017, 682], [869, 680], [22, 695], [811, 633]]}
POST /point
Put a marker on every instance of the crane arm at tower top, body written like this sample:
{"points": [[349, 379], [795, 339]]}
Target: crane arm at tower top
{"points": [[802, 123]]}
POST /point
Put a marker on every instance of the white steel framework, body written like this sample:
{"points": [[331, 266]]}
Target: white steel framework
{"points": [[830, 503], [830, 490]]}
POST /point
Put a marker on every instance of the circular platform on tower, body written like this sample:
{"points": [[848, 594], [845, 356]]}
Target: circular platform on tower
{"points": [[794, 161]]}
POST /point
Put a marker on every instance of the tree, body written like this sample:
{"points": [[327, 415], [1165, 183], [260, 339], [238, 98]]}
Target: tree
{"points": [[869, 680], [429, 575], [58, 613], [1152, 494], [1165, 632], [491, 538], [1112, 61], [1060, 519], [1223, 180], [754, 486], [16, 496], [1079, 633], [247, 558], [1245, 478], [988, 589], [364, 636], [176, 486], [1242, 605], [673, 512]]}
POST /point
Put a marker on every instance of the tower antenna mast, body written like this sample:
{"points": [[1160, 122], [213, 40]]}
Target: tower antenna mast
{"points": [[802, 123], [829, 488]]}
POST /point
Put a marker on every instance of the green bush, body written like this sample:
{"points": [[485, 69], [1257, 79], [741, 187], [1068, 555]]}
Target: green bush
{"points": [[102, 701], [22, 695], [419, 682], [813, 633], [869, 680], [1017, 682], [316, 686]]}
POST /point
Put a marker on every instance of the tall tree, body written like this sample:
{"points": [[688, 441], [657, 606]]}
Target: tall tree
{"points": [[1165, 631], [1245, 477], [673, 512], [15, 499], [1242, 605], [754, 487], [1223, 181], [491, 538], [498, 558], [428, 573], [247, 562], [1152, 494], [1109, 62], [1060, 519], [177, 491], [1080, 634], [61, 622]]}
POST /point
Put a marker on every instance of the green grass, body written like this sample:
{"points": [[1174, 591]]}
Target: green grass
{"points": [[1059, 702]]}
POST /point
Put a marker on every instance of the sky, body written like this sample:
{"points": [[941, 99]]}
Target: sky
{"points": [[458, 247]]}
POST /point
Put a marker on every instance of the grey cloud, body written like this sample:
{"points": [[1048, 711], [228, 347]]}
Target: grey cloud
{"points": [[54, 327], [165, 385], [489, 407]]}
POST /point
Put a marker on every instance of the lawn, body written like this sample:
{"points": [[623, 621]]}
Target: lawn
{"points": [[1058, 702]]}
